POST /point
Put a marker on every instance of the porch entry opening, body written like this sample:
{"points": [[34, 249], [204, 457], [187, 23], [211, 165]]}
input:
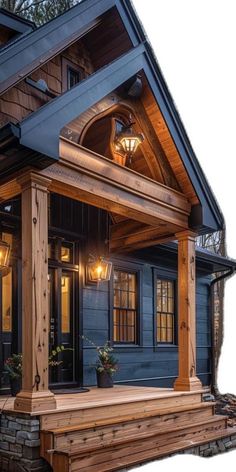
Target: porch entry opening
{"points": [[63, 286]]}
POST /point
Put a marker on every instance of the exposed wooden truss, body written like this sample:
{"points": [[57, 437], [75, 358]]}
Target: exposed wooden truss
{"points": [[153, 212], [91, 178], [130, 235], [167, 143]]}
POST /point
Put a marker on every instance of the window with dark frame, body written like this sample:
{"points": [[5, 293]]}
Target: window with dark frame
{"points": [[124, 307], [73, 77], [165, 311]]}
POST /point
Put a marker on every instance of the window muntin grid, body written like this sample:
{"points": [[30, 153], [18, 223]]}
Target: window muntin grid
{"points": [[165, 312], [124, 307]]}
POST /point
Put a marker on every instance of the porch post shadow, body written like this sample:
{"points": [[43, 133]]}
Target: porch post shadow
{"points": [[35, 395], [187, 379]]}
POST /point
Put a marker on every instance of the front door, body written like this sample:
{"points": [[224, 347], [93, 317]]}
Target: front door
{"points": [[63, 287], [9, 301]]}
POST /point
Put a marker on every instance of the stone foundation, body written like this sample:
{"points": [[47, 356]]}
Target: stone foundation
{"points": [[213, 448], [20, 444], [205, 450]]}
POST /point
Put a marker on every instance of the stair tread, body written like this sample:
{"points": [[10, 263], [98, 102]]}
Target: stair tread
{"points": [[71, 451], [154, 453], [134, 417]]}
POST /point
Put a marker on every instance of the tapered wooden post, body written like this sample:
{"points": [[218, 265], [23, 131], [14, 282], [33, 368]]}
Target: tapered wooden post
{"points": [[187, 379], [35, 395]]}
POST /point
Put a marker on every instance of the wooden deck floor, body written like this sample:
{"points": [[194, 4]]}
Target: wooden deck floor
{"points": [[97, 397], [107, 429]]}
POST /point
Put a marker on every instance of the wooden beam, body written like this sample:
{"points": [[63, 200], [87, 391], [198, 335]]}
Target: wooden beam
{"points": [[35, 395], [131, 235], [156, 156], [9, 190], [187, 379], [94, 179]]}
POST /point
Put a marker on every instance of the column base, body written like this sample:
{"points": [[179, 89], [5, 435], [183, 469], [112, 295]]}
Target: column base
{"points": [[34, 402], [187, 384]]}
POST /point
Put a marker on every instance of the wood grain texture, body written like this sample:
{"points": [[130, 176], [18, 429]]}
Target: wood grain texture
{"points": [[187, 379], [137, 446], [22, 99], [34, 394], [136, 453], [132, 235], [165, 139], [93, 179]]}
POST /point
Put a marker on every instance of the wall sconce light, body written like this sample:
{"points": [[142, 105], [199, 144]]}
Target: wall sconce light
{"points": [[4, 256], [98, 269], [128, 141]]}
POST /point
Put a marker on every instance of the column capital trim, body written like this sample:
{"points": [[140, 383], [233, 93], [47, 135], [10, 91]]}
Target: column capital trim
{"points": [[32, 179], [187, 234]]}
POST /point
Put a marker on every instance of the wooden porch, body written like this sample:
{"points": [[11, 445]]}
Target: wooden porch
{"points": [[107, 429]]}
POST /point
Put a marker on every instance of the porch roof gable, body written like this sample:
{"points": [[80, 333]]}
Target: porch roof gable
{"points": [[41, 130], [30, 52]]}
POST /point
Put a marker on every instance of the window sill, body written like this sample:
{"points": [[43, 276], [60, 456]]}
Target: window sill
{"points": [[165, 347], [127, 347]]}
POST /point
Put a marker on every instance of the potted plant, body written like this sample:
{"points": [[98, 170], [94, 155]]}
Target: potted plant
{"points": [[13, 368], [106, 366]]}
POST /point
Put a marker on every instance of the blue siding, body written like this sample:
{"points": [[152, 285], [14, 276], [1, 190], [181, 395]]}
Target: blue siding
{"points": [[146, 365]]}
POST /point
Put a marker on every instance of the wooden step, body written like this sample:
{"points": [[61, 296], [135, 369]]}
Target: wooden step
{"points": [[109, 432], [195, 408], [117, 406], [87, 456], [117, 459]]}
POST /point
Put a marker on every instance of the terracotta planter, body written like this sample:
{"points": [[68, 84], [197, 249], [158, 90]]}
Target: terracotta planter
{"points": [[104, 380], [15, 385]]}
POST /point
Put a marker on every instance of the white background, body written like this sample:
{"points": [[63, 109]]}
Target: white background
{"points": [[195, 44]]}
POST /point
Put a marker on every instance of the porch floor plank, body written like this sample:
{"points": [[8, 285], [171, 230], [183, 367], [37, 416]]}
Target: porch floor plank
{"points": [[103, 397]]}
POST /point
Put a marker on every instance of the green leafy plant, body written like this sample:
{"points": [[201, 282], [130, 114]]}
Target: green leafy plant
{"points": [[57, 350], [106, 361], [13, 365]]}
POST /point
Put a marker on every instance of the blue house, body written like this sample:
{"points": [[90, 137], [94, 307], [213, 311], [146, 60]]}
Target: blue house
{"points": [[101, 201]]}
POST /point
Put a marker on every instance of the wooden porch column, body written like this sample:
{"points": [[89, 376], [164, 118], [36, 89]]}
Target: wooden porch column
{"points": [[187, 379], [34, 395]]}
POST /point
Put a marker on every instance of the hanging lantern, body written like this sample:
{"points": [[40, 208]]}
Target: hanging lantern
{"points": [[128, 140], [4, 256], [99, 270]]}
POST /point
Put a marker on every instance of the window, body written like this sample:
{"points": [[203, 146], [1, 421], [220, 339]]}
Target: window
{"points": [[7, 302], [73, 77], [124, 307], [72, 74], [7, 292], [165, 311], [67, 253], [66, 280]]}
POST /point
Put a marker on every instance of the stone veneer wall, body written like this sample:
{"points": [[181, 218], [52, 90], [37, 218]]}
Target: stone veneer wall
{"points": [[213, 448], [20, 444], [205, 450]]}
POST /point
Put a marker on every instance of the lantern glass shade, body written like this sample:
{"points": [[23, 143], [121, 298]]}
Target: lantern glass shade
{"points": [[130, 143], [129, 140], [99, 270], [4, 255]]}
